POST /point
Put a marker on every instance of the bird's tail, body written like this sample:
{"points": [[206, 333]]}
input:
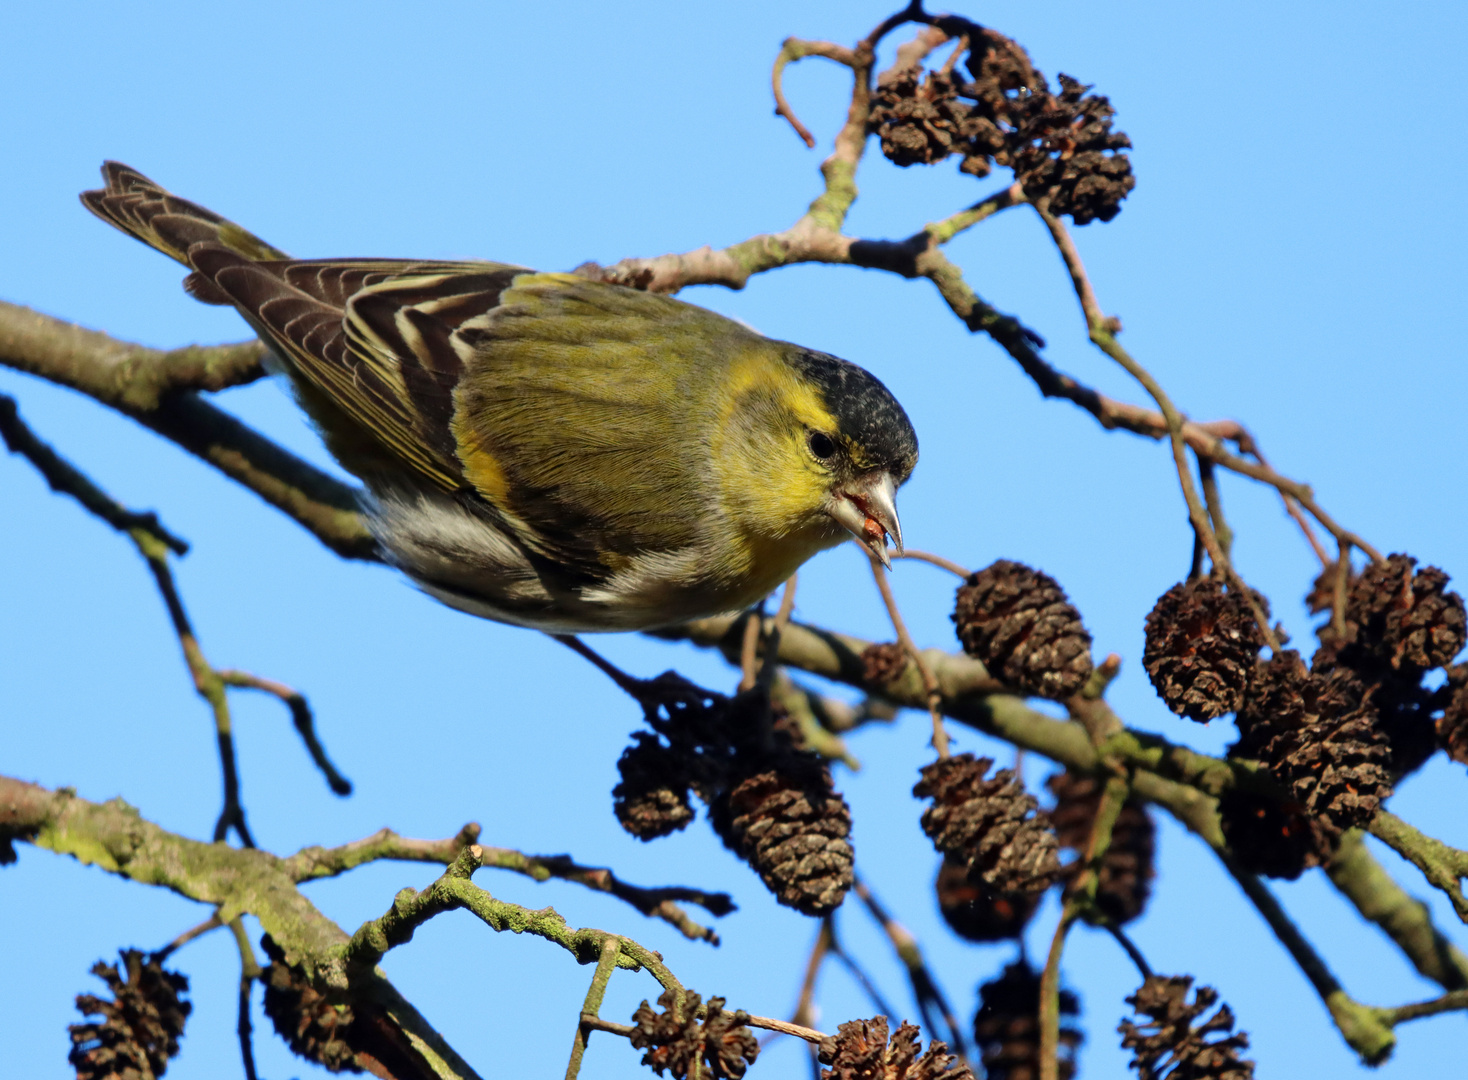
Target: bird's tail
{"points": [[142, 209]]}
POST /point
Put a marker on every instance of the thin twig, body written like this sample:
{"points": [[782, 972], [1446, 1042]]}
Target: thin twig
{"points": [[804, 1012], [62, 476], [211, 923], [924, 986], [154, 543], [1082, 896], [1214, 501], [1049, 1019], [301, 717], [784, 1027], [595, 993], [1451, 1002], [1338, 591], [771, 648], [1102, 330], [314, 863], [857, 972], [930, 683], [795, 49], [935, 560], [749, 648], [1129, 946], [249, 972]]}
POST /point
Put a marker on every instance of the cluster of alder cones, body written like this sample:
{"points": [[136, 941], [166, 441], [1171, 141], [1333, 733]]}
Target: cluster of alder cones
{"points": [[1333, 736], [1059, 144], [771, 802]]}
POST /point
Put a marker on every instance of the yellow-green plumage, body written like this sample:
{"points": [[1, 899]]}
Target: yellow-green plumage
{"points": [[546, 449]]}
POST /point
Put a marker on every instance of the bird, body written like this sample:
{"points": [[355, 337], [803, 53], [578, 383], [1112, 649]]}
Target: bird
{"points": [[546, 449]]}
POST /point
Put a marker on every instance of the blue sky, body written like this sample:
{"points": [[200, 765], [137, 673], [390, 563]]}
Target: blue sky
{"points": [[1291, 257]]}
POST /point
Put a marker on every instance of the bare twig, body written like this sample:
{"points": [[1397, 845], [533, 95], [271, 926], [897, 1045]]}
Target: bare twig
{"points": [[935, 560], [784, 1027], [313, 863], [61, 476], [1102, 330], [796, 49], [924, 987], [155, 388], [930, 682], [211, 923], [249, 972], [1082, 896], [606, 964], [1455, 1001], [300, 716]]}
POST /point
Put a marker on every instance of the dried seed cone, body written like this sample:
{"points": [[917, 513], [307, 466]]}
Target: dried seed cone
{"points": [[881, 663], [1168, 1044], [1406, 619], [860, 1051], [313, 1027], [1125, 878], [1007, 1026], [1273, 839], [1202, 643], [674, 1041], [989, 825], [977, 912], [1018, 622], [1452, 726], [1064, 151], [652, 799], [140, 1024], [1318, 734], [793, 827], [918, 119]]}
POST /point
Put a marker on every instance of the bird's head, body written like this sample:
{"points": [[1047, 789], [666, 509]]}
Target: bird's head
{"points": [[834, 445]]}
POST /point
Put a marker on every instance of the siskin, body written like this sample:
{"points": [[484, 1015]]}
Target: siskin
{"points": [[551, 451]]}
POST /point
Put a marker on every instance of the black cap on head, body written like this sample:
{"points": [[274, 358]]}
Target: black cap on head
{"points": [[865, 411]]}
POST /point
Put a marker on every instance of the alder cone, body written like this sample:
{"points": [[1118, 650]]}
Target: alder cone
{"points": [[881, 663], [860, 1051], [312, 1025], [1064, 152], [1018, 621], [1406, 619], [140, 1024], [1124, 881], [1318, 734], [1452, 727], [918, 120], [652, 798], [989, 825], [1168, 1044], [1337, 768], [1202, 643], [1273, 838], [1007, 1026], [789, 823], [978, 913], [675, 1042]]}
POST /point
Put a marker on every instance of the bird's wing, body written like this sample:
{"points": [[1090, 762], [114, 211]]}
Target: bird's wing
{"points": [[376, 337], [586, 414]]}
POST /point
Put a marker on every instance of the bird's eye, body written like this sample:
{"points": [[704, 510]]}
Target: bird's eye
{"points": [[821, 445]]}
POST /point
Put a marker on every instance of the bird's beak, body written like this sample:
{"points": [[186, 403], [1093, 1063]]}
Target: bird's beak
{"points": [[867, 508]]}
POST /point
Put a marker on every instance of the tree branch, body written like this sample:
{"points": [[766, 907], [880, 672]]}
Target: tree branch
{"points": [[156, 388], [114, 837]]}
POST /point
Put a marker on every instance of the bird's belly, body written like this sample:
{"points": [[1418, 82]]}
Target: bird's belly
{"points": [[463, 560]]}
